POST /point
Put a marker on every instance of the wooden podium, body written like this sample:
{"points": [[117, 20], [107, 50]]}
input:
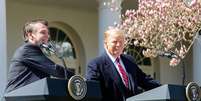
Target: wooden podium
{"points": [[49, 89]]}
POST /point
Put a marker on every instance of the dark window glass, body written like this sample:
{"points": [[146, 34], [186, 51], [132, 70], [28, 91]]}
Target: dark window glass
{"points": [[62, 43]]}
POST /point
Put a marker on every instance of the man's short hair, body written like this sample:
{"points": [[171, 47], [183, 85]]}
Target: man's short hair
{"points": [[29, 28], [113, 30]]}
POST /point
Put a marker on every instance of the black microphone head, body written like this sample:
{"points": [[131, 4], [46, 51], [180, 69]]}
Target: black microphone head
{"points": [[48, 47], [167, 54], [43, 45]]}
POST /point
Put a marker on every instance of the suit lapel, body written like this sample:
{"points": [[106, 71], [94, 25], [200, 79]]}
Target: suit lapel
{"points": [[130, 70], [112, 70], [114, 74]]}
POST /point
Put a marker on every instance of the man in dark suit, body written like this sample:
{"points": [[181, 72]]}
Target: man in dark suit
{"points": [[29, 64], [117, 73]]}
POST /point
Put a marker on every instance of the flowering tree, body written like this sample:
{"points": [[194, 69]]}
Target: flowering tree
{"points": [[163, 27]]}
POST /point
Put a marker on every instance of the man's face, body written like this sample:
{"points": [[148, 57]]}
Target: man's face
{"points": [[114, 43], [40, 34]]}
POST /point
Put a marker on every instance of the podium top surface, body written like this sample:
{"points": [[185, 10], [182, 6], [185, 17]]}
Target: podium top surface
{"points": [[166, 92], [51, 87], [40, 87]]}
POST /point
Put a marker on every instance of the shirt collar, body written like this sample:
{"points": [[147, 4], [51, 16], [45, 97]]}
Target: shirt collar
{"points": [[111, 57]]}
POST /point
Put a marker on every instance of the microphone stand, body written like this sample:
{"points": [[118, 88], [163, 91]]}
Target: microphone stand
{"points": [[53, 49], [65, 67], [62, 60]]}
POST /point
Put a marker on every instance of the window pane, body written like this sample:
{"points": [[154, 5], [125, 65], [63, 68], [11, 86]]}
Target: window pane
{"points": [[62, 43]]}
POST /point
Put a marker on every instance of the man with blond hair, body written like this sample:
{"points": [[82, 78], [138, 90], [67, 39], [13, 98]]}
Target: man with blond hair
{"points": [[117, 73]]}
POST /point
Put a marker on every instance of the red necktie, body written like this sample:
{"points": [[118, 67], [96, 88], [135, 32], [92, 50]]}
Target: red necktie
{"points": [[123, 72]]}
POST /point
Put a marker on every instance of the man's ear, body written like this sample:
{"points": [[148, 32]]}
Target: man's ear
{"points": [[105, 44], [30, 36]]}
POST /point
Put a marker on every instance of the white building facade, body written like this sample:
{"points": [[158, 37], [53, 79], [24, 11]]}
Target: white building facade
{"points": [[83, 22]]}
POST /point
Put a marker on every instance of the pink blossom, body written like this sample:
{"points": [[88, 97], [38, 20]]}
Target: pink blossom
{"points": [[193, 2], [163, 25], [174, 62]]}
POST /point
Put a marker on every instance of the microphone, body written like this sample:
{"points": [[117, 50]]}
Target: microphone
{"points": [[51, 48], [168, 54], [48, 47]]}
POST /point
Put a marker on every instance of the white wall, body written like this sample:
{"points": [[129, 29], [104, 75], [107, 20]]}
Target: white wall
{"points": [[196, 60], [169, 75], [189, 66], [85, 24], [3, 50], [173, 75]]}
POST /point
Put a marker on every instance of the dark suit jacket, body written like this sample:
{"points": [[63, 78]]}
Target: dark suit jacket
{"points": [[29, 64], [103, 70]]}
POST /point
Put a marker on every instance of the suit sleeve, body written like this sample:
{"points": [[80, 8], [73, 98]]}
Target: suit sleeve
{"points": [[92, 71], [35, 59], [144, 81]]}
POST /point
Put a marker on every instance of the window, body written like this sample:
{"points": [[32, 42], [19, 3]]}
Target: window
{"points": [[62, 43], [64, 47]]}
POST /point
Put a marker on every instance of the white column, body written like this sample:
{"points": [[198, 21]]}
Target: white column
{"points": [[3, 46], [197, 61], [107, 17]]}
